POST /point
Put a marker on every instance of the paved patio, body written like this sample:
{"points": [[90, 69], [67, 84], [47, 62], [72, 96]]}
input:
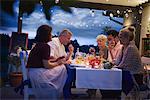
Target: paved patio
{"points": [[8, 93]]}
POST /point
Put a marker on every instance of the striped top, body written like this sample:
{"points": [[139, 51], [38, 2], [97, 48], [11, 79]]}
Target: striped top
{"points": [[130, 60]]}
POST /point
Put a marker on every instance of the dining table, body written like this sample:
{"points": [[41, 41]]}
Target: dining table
{"points": [[85, 77]]}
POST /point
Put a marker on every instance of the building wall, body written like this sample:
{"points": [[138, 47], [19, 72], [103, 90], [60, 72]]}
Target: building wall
{"points": [[144, 23]]}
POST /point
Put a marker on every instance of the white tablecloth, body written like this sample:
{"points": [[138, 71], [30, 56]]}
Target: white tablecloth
{"points": [[145, 60], [107, 79]]}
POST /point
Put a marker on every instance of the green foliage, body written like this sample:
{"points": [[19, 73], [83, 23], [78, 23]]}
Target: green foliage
{"points": [[28, 6], [105, 29], [14, 60]]}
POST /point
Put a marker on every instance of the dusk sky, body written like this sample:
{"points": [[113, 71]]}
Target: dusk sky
{"points": [[85, 24]]}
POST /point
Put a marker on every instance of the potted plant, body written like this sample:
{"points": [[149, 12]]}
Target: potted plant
{"points": [[15, 75]]}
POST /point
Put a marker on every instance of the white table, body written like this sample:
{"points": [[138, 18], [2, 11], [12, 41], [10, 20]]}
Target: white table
{"points": [[107, 79]]}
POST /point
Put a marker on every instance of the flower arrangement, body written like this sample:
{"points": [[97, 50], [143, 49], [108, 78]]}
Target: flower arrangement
{"points": [[14, 58], [94, 62]]}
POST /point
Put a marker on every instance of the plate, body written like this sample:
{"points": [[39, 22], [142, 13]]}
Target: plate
{"points": [[78, 65]]}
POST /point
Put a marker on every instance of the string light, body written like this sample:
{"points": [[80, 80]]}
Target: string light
{"points": [[41, 2], [135, 17], [20, 18], [56, 1], [129, 10], [128, 0], [111, 15], [118, 12], [87, 26], [141, 7], [140, 11], [52, 11], [104, 12], [92, 13]]}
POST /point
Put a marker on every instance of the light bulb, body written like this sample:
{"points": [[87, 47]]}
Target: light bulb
{"points": [[111, 15]]}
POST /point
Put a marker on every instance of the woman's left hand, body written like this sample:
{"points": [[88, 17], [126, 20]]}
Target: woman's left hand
{"points": [[61, 61]]}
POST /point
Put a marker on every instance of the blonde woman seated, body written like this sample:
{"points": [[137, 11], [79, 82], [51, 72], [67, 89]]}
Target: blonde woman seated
{"points": [[129, 58], [103, 53], [101, 42]]}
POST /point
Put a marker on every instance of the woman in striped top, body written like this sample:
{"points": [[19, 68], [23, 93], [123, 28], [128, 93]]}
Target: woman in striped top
{"points": [[129, 59]]}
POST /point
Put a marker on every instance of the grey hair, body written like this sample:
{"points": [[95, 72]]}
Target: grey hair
{"points": [[66, 32]]}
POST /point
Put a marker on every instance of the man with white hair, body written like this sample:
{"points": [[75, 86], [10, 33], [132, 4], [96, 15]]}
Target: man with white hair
{"points": [[57, 51], [57, 44]]}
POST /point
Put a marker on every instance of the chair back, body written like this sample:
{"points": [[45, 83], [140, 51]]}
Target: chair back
{"points": [[31, 91], [27, 91], [23, 56]]}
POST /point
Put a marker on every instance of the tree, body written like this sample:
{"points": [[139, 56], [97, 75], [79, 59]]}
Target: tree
{"points": [[27, 6], [105, 29]]}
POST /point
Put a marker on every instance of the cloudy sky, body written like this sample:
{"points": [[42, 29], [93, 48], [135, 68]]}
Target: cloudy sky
{"points": [[85, 24]]}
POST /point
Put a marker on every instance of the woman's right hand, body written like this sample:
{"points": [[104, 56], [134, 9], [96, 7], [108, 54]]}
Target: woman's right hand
{"points": [[71, 48]]}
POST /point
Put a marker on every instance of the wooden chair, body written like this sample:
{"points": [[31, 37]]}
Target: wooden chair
{"points": [[28, 91]]}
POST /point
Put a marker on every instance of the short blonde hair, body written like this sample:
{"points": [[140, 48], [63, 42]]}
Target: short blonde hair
{"points": [[101, 37], [129, 31], [66, 32]]}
